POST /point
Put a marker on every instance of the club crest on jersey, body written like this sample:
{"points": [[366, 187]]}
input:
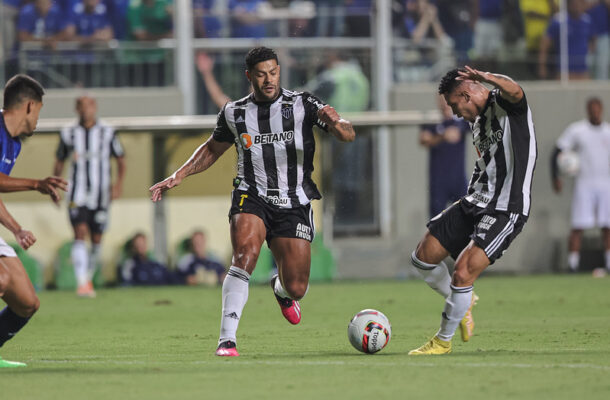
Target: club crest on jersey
{"points": [[287, 112]]}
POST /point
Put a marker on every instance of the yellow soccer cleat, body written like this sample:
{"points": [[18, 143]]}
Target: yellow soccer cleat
{"points": [[434, 346], [467, 323]]}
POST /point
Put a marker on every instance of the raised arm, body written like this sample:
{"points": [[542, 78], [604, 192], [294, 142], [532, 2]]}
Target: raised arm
{"points": [[202, 159], [509, 89], [342, 129]]}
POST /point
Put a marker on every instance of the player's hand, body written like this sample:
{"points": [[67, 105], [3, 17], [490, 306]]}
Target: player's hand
{"points": [[117, 191], [471, 74], [328, 115], [51, 186], [25, 238], [158, 188], [205, 63], [557, 185]]}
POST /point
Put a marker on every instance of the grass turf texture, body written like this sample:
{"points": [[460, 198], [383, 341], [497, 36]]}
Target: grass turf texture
{"points": [[536, 337]]}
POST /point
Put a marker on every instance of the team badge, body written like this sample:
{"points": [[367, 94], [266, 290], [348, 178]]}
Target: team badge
{"points": [[287, 112]]}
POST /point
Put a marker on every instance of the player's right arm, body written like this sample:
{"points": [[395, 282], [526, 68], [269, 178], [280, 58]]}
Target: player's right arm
{"points": [[50, 185], [24, 238], [222, 138]]}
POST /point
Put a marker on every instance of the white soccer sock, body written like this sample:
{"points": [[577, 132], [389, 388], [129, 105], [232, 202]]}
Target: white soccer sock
{"points": [[435, 275], [234, 298], [94, 257], [80, 260], [280, 291], [456, 306], [573, 260], [608, 260]]}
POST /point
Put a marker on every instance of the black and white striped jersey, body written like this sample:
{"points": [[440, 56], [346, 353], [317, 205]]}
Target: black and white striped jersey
{"points": [[275, 145], [90, 174], [505, 142]]}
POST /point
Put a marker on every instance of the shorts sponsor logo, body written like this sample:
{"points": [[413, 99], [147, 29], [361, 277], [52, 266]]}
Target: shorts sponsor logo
{"points": [[480, 198], [486, 223], [303, 232], [277, 200]]}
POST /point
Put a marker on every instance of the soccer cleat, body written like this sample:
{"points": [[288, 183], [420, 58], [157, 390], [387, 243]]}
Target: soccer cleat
{"points": [[291, 310], [86, 290], [227, 349], [433, 347], [467, 323], [11, 364]]}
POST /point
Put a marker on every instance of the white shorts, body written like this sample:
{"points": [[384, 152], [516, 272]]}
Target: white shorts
{"points": [[591, 204], [6, 250]]}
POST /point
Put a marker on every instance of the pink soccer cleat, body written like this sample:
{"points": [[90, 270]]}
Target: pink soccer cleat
{"points": [[291, 310], [227, 349]]}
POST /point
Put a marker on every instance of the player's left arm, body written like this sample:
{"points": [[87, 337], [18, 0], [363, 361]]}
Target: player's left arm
{"points": [[341, 128], [509, 89], [50, 185], [24, 238]]}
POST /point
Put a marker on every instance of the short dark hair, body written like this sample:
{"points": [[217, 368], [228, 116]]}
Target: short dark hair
{"points": [[593, 100], [259, 54], [19, 88], [449, 82]]}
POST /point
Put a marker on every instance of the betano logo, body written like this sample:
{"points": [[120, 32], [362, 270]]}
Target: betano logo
{"points": [[266, 138]]}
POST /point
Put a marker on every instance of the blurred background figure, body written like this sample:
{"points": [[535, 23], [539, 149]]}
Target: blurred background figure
{"points": [[9, 9], [358, 18], [457, 18], [580, 38], [446, 159], [90, 144], [43, 21], [207, 22], [600, 21], [245, 22], [91, 22], [331, 18], [537, 15], [197, 267], [488, 34], [590, 138], [419, 20], [139, 268]]}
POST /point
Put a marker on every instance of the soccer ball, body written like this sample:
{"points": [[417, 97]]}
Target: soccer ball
{"points": [[568, 163], [369, 331]]}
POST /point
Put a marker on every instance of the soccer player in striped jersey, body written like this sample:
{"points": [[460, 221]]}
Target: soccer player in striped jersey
{"points": [[91, 144], [19, 116], [477, 229], [272, 130]]}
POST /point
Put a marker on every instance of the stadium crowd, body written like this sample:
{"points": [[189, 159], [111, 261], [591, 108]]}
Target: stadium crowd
{"points": [[483, 32]]}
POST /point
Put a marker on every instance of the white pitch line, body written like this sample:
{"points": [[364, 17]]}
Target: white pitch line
{"points": [[322, 363]]}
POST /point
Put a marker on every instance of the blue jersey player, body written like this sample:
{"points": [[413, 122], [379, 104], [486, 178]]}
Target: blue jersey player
{"points": [[19, 116]]}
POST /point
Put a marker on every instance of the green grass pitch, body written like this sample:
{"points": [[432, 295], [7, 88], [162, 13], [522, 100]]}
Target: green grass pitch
{"points": [[540, 337]]}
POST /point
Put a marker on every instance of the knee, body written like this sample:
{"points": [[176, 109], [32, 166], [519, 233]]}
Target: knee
{"points": [[461, 276], [4, 281], [296, 289], [29, 308], [245, 256]]}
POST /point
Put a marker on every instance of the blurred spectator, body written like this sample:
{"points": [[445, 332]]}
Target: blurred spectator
{"points": [[457, 19], [205, 65], [43, 21], [330, 20], [488, 34], [358, 18], [590, 138], [150, 19], [139, 268], [207, 24], [419, 20], [446, 161], [91, 22], [537, 15], [117, 12], [600, 16], [245, 22], [580, 36], [8, 14], [196, 267]]}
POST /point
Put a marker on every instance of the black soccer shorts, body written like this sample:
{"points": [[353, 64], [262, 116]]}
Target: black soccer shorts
{"points": [[279, 222], [96, 220], [491, 230]]}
